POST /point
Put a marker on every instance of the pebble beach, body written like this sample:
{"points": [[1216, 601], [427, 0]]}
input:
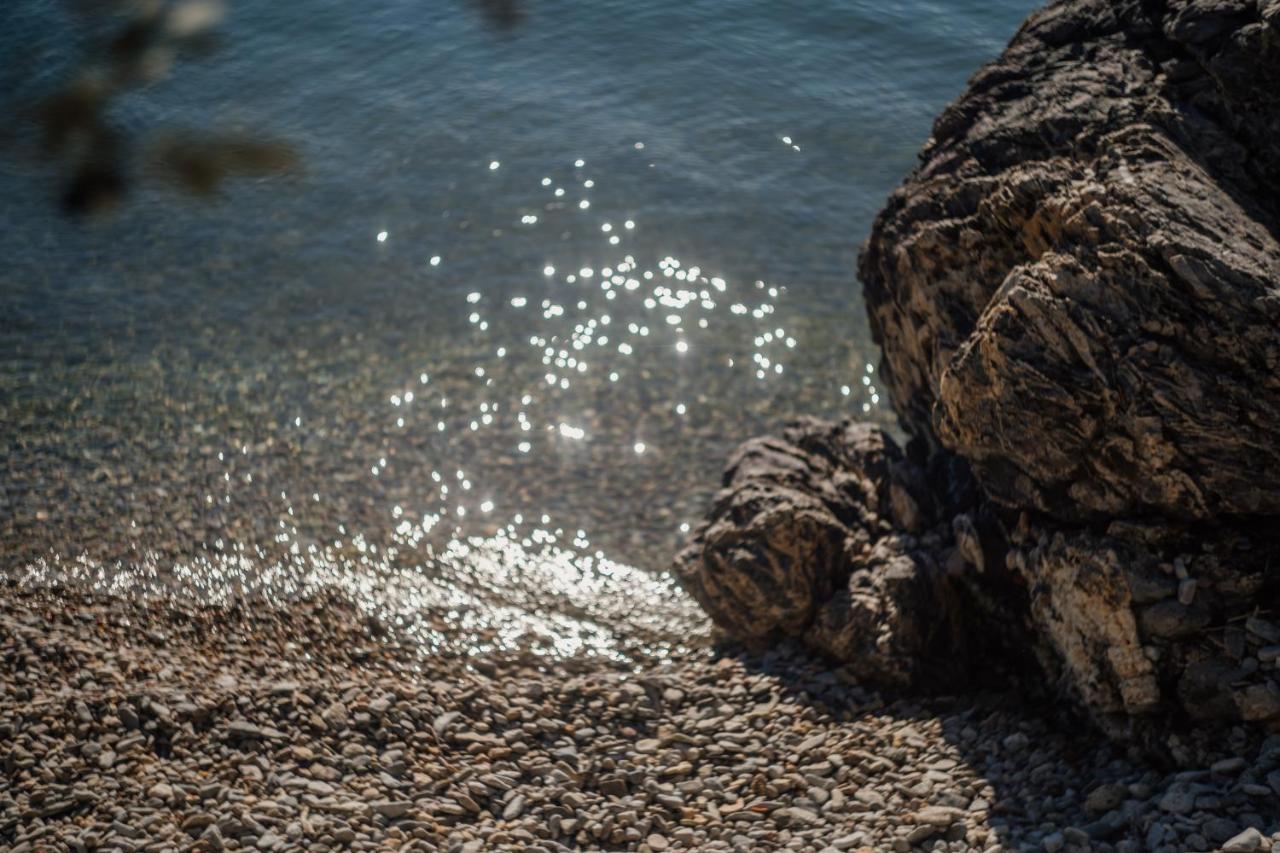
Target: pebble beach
{"points": [[338, 512], [136, 726]]}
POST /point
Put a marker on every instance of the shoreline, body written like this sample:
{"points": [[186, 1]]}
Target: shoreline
{"points": [[306, 726]]}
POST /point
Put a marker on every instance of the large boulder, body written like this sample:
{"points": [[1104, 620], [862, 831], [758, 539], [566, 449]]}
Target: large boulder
{"points": [[1078, 290], [1077, 295]]}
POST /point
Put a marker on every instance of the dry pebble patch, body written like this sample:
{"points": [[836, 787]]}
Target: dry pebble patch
{"points": [[136, 726]]}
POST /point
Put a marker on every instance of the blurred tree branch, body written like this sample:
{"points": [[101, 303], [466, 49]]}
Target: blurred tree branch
{"points": [[147, 38]]}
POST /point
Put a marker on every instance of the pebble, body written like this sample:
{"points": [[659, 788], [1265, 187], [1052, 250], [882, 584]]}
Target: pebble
{"points": [[1249, 841], [1229, 766], [312, 737], [1178, 800], [1187, 590], [1016, 742], [1268, 631], [941, 816], [513, 808], [920, 833], [1104, 798], [392, 808]]}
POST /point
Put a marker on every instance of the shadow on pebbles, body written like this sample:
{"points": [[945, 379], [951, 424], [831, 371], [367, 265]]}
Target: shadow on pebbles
{"points": [[133, 726]]}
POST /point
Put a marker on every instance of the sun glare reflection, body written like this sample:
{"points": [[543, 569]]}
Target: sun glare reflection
{"points": [[607, 351], [519, 590]]}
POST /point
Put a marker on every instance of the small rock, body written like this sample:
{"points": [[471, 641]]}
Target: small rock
{"points": [[613, 787], [1076, 836], [801, 815], [212, 836], [1220, 829], [1016, 742], [1104, 798], [513, 808], [245, 730], [1258, 702], [1173, 619], [336, 715], [1229, 766], [1268, 631], [196, 823], [1178, 800], [870, 796], [919, 834], [128, 718], [939, 816], [392, 809], [1249, 841]]}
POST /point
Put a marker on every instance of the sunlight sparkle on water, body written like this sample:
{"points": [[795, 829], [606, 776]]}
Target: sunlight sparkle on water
{"points": [[636, 327]]}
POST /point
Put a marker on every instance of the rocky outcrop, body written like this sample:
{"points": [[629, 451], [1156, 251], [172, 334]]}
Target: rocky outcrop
{"points": [[1079, 289], [1077, 295], [813, 536], [1151, 623]]}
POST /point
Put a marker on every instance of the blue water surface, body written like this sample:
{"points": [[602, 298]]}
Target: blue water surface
{"points": [[585, 359]]}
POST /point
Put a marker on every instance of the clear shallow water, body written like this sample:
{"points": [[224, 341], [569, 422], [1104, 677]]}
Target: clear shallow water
{"points": [[496, 340]]}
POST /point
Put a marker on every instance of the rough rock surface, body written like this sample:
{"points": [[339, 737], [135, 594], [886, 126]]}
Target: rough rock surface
{"points": [[1141, 623], [1078, 290], [811, 536], [1077, 294]]}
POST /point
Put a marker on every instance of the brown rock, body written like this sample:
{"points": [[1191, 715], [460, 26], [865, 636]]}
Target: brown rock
{"points": [[1080, 285], [1077, 294]]}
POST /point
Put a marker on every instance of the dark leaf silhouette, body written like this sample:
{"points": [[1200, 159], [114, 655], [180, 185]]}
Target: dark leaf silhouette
{"points": [[504, 14], [145, 41], [96, 188], [201, 164], [73, 114]]}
